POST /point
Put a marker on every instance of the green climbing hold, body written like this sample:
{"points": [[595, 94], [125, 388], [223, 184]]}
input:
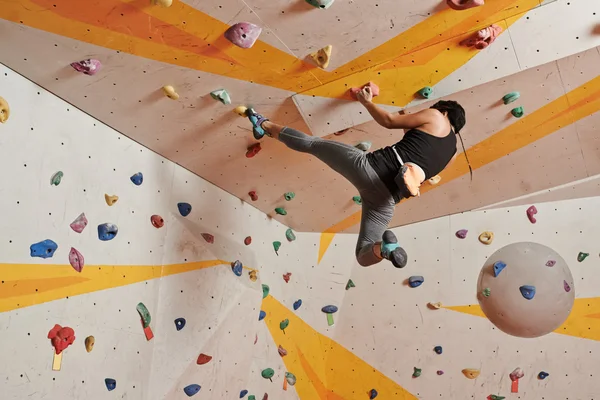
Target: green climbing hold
{"points": [[267, 373], [276, 246], [289, 196], [357, 200], [518, 112], [266, 290], [416, 372], [284, 324], [495, 397], [512, 96], [582, 256], [290, 378], [56, 178], [281, 211], [350, 284], [144, 314], [221, 95], [426, 92], [252, 397], [289, 234], [486, 292]]}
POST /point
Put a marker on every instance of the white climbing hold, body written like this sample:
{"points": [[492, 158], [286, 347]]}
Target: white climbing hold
{"points": [[170, 92]]}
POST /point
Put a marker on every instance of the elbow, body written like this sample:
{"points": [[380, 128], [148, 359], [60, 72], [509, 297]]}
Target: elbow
{"points": [[386, 121]]}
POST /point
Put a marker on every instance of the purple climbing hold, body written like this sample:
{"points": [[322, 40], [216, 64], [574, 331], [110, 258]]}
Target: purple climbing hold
{"points": [[43, 249], [243, 393], [184, 209], [415, 281], [76, 259], [137, 179], [179, 323], [566, 286], [550, 263], [107, 231], [527, 291], [297, 304], [261, 315], [462, 234], [329, 309], [88, 67], [243, 34], [440, 372], [498, 267], [191, 390], [372, 394], [79, 224], [236, 266]]}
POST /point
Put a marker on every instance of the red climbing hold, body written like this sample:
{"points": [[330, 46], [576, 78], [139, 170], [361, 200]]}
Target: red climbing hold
{"points": [[208, 237], [286, 277], [531, 211], [253, 150], [253, 195], [203, 359], [157, 221], [61, 338], [248, 240], [265, 397]]}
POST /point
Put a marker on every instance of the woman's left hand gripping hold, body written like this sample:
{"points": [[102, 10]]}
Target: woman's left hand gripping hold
{"points": [[365, 95]]}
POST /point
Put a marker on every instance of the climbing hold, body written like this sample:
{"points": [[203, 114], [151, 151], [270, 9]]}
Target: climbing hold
{"points": [[511, 97], [582, 256], [89, 66], [191, 390], [110, 383], [265, 396], [364, 146], [286, 277], [236, 267], [76, 259], [157, 221], [267, 373], [253, 150], [89, 343], [251, 397], [289, 196], [137, 179], [208, 237], [483, 38], [265, 289], [170, 92], [498, 267], [527, 291], [416, 372], [486, 237], [290, 378], [144, 314], [107, 231], [426, 92], [4, 110], [516, 374], [56, 178], [252, 275], [550, 263], [261, 315], [434, 180], [415, 281], [184, 209], [297, 304], [543, 375], [243, 34], [322, 56], [110, 200], [357, 200], [179, 323], [281, 211], [284, 324], [438, 349], [329, 309], [518, 112], [354, 91], [43, 249], [253, 195], [434, 306], [276, 246], [495, 397], [243, 394], [338, 133], [241, 111], [461, 234], [282, 351], [471, 373], [566, 286], [372, 394], [221, 95], [320, 3], [289, 235], [460, 5], [79, 224], [350, 284], [440, 372], [247, 240], [163, 3], [61, 338], [486, 292], [203, 359]]}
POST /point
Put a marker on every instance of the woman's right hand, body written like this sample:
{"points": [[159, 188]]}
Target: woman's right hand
{"points": [[365, 95]]}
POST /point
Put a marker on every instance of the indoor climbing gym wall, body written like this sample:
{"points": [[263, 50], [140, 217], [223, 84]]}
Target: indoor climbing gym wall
{"points": [[216, 266]]}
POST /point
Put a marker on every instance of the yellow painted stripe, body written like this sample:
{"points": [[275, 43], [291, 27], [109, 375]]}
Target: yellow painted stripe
{"points": [[573, 106], [24, 285], [583, 322], [337, 376]]}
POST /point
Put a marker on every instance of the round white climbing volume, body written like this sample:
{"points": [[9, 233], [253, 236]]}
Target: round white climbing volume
{"points": [[531, 291]]}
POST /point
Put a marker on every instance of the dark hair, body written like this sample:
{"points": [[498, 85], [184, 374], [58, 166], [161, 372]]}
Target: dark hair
{"points": [[456, 114]]}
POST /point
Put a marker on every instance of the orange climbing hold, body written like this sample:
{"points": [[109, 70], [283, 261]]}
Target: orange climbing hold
{"points": [[203, 359]]}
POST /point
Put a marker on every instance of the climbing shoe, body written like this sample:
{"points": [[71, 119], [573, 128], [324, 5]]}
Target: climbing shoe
{"points": [[391, 250], [256, 120]]}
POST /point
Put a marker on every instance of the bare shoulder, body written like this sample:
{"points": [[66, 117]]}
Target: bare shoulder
{"points": [[435, 123]]}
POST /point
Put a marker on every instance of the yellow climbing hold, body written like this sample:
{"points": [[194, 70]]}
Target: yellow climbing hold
{"points": [[110, 200], [471, 373], [435, 306], [321, 57], [435, 180], [252, 275], [170, 92], [240, 110], [89, 343], [486, 237], [4, 110], [163, 3]]}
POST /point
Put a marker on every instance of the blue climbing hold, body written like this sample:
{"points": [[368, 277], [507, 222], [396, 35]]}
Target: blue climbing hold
{"points": [[498, 267], [415, 281], [110, 383], [329, 309], [184, 209], [261, 315], [236, 266], [243, 393], [438, 349], [107, 231], [43, 249], [543, 375], [527, 291], [179, 323], [137, 179], [372, 394], [191, 390], [297, 304]]}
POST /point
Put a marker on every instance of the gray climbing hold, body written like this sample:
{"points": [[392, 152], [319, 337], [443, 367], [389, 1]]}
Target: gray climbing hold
{"points": [[323, 4], [261, 315], [527, 291], [107, 231], [243, 34], [179, 323], [243, 393], [237, 267], [415, 281], [43, 249], [111, 384], [498, 267], [329, 309], [191, 390], [221, 95], [364, 146], [184, 209], [137, 179], [297, 304], [56, 178]]}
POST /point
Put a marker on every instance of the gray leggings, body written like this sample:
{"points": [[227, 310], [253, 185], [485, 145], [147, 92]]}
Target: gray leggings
{"points": [[350, 162]]}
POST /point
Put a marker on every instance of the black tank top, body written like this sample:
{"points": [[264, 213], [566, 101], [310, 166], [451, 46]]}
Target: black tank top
{"points": [[429, 152]]}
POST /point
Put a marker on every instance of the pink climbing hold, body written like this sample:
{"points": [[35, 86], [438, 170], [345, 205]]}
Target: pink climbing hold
{"points": [[253, 195], [531, 211], [243, 34], [208, 237], [566, 286], [88, 67], [550, 263], [282, 351], [464, 4], [374, 90], [483, 38], [76, 259], [462, 234], [79, 224]]}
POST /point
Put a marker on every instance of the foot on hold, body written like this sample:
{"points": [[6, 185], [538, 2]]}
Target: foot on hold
{"points": [[257, 120], [391, 250]]}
